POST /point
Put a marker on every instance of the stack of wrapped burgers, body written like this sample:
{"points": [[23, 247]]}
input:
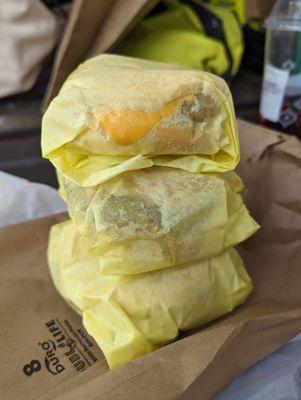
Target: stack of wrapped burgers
{"points": [[145, 154]]}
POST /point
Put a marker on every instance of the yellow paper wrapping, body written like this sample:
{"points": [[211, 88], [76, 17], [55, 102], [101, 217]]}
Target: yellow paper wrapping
{"points": [[145, 154], [129, 316], [151, 219], [116, 114]]}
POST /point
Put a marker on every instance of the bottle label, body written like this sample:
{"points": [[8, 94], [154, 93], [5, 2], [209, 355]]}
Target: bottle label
{"points": [[274, 84]]}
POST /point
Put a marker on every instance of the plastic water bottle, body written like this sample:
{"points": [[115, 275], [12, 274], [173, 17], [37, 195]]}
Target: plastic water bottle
{"points": [[280, 104]]}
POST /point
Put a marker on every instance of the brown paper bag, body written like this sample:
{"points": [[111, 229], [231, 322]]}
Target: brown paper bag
{"points": [[256, 9], [42, 341], [94, 26], [196, 366]]}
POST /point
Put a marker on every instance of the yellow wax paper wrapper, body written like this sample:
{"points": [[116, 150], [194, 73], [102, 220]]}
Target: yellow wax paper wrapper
{"points": [[115, 114], [155, 218], [129, 316]]}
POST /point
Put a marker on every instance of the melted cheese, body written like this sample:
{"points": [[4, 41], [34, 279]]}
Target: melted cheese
{"points": [[127, 126]]}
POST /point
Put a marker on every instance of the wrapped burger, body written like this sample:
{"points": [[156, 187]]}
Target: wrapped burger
{"points": [[115, 114], [131, 315], [169, 215]]}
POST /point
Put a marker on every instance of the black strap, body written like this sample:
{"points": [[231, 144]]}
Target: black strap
{"points": [[213, 26]]}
